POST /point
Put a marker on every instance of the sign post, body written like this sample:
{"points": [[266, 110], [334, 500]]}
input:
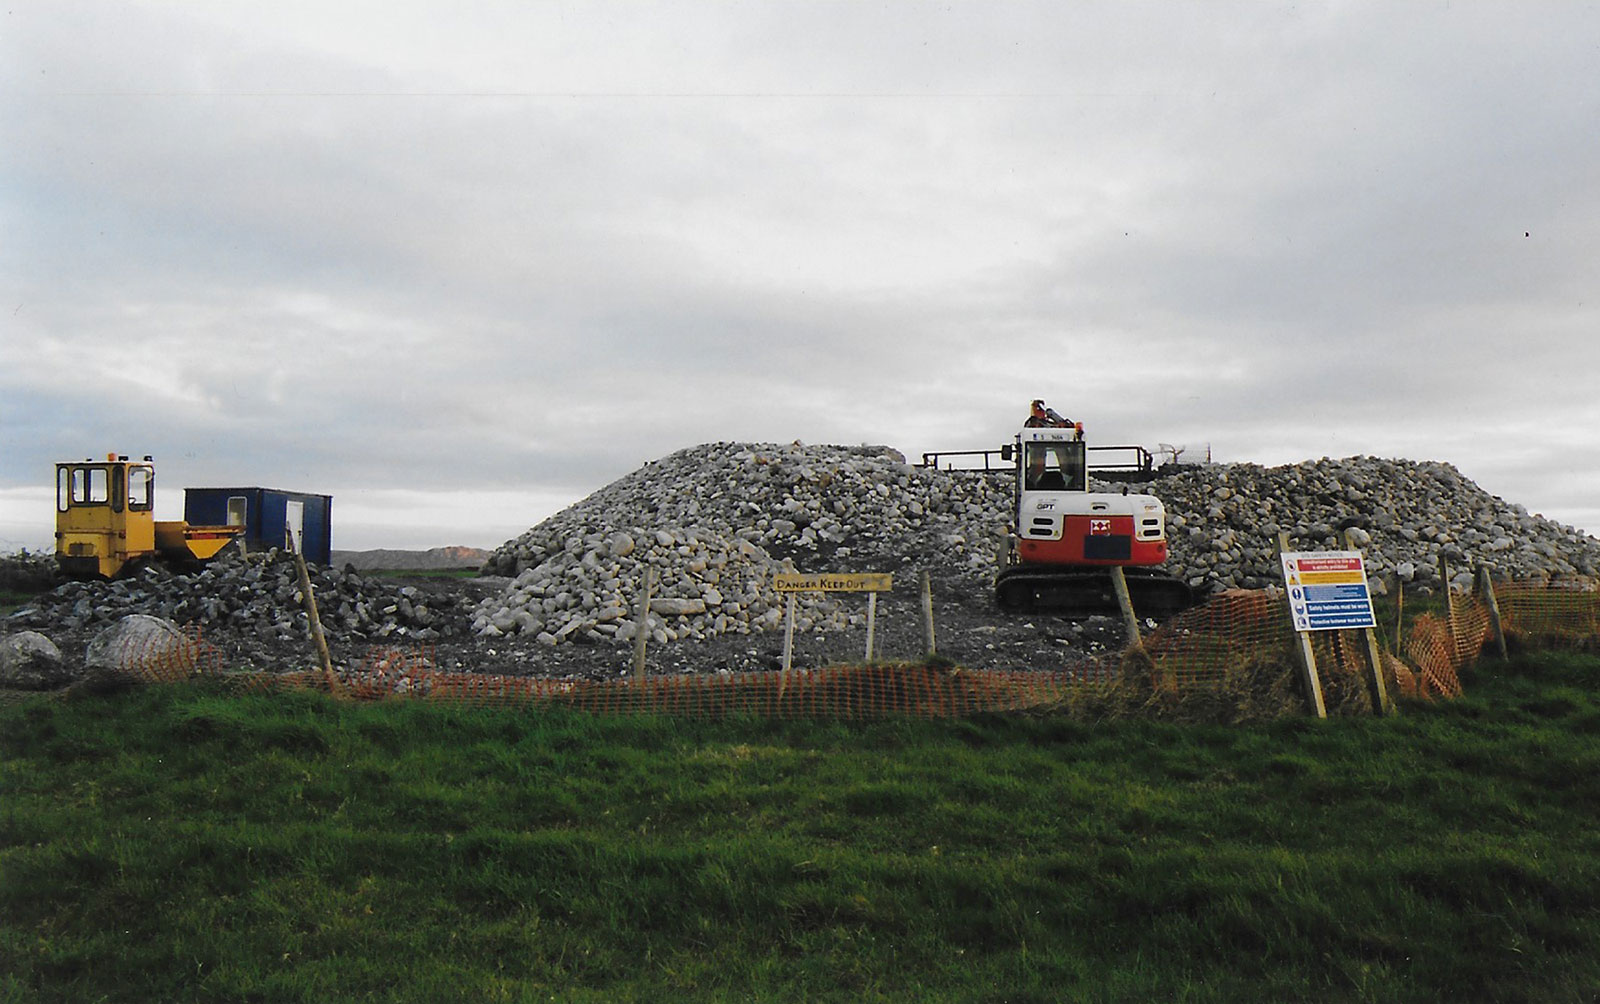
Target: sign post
{"points": [[1328, 591], [872, 583], [1382, 703], [1308, 656]]}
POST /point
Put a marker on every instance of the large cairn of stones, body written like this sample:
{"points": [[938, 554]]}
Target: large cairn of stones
{"points": [[712, 525], [715, 522], [1223, 521]]}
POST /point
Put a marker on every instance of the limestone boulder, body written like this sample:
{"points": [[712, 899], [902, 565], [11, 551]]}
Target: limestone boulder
{"points": [[31, 661], [141, 646]]}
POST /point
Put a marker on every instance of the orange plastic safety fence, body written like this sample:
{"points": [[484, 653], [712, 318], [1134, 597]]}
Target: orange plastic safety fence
{"points": [[164, 657], [1431, 647], [1550, 615], [1241, 632], [1201, 646], [1232, 637], [849, 692], [1438, 645]]}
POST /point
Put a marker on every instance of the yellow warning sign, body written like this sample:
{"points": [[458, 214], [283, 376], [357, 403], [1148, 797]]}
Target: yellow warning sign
{"points": [[833, 582]]}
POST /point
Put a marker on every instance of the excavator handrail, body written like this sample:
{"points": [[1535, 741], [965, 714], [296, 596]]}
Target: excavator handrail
{"points": [[1143, 463], [932, 458]]}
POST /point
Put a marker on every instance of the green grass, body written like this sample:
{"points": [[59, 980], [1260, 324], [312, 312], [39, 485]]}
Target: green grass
{"points": [[11, 601], [24, 575], [179, 844]]}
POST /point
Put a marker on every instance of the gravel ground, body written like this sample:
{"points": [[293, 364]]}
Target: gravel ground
{"points": [[969, 631]]}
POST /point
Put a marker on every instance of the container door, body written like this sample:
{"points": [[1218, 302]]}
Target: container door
{"points": [[239, 515], [294, 518]]}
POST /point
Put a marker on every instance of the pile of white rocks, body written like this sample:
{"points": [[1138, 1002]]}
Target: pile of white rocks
{"points": [[1404, 516], [714, 523]]}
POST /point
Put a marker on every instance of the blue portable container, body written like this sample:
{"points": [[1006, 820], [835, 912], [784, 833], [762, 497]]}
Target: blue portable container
{"points": [[266, 514]]}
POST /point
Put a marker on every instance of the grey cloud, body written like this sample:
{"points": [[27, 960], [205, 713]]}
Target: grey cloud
{"points": [[348, 254]]}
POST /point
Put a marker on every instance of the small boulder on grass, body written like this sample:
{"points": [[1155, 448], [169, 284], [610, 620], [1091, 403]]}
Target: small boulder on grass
{"points": [[30, 661]]}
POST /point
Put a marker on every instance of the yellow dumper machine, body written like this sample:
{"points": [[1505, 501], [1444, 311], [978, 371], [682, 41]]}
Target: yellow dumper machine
{"points": [[106, 525]]}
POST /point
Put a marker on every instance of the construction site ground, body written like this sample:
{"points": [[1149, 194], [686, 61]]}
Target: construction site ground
{"points": [[969, 630]]}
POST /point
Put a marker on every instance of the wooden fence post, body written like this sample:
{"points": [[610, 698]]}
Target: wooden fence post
{"points": [[927, 613], [1308, 655], [1399, 612], [1130, 620], [1382, 703], [312, 616], [788, 635], [872, 620], [1449, 606], [1486, 587]]}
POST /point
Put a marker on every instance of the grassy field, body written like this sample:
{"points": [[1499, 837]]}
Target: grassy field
{"points": [[180, 844]]}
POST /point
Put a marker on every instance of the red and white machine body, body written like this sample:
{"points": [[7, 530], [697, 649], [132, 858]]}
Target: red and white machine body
{"points": [[1066, 538], [1061, 522]]}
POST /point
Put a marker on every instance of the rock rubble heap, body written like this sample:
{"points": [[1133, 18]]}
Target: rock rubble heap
{"points": [[257, 594], [1223, 521], [717, 521], [714, 523]]}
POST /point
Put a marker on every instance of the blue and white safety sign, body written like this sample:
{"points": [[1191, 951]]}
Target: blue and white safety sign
{"points": [[1327, 590]]}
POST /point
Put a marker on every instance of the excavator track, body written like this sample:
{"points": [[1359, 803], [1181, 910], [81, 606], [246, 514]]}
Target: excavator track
{"points": [[1088, 592]]}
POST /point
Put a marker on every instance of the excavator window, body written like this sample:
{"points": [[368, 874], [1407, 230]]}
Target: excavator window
{"points": [[1054, 467]]}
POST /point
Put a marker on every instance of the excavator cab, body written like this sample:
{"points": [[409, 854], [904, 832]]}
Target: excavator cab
{"points": [[1055, 466]]}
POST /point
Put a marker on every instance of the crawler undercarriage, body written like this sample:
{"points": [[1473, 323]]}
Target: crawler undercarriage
{"points": [[1086, 592]]}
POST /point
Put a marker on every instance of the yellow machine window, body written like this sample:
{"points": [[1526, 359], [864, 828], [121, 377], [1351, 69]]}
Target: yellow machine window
{"points": [[90, 486], [141, 488]]}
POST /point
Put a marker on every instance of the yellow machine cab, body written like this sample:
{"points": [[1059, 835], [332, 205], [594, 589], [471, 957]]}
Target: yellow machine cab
{"points": [[106, 525]]}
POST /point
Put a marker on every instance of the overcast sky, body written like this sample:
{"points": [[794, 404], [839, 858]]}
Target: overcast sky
{"points": [[460, 264]]}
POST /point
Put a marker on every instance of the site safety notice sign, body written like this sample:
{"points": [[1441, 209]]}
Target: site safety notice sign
{"points": [[1327, 590]]}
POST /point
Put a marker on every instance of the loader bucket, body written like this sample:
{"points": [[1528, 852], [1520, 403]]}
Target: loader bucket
{"points": [[179, 541]]}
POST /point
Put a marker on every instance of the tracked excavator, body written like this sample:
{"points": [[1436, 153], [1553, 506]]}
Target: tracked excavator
{"points": [[1066, 539]]}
